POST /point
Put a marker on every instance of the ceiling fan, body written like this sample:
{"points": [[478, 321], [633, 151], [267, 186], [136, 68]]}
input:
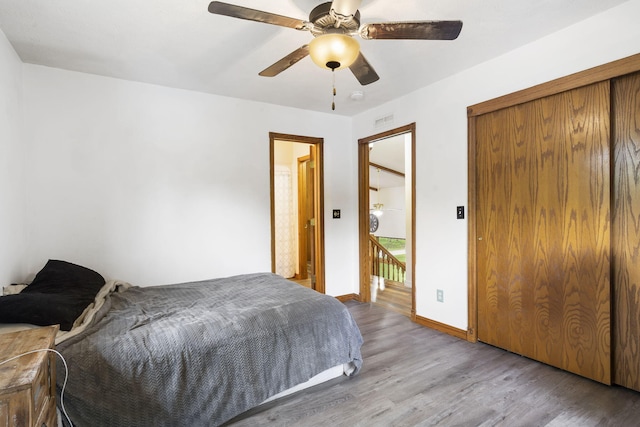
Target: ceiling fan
{"points": [[333, 24]]}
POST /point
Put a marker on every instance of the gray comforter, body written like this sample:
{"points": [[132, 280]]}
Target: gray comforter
{"points": [[198, 354]]}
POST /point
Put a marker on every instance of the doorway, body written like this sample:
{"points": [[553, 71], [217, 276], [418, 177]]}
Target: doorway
{"points": [[386, 171], [297, 220]]}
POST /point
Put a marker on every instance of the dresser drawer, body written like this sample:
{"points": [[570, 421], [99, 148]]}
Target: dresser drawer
{"points": [[15, 408], [27, 382]]}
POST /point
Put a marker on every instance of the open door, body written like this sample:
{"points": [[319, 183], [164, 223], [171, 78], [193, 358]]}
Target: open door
{"points": [[307, 207], [303, 156], [378, 265]]}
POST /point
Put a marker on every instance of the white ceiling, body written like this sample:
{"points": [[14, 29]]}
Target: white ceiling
{"points": [[178, 43], [389, 153]]}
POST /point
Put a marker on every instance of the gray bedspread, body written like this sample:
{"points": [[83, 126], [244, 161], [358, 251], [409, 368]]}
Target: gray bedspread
{"points": [[200, 353]]}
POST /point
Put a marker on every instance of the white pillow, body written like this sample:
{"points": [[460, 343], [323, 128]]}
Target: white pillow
{"points": [[13, 289]]}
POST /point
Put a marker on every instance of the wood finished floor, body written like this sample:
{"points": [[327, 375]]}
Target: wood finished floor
{"points": [[395, 296], [415, 376]]}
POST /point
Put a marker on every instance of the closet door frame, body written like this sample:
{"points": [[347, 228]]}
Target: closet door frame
{"points": [[601, 73]]}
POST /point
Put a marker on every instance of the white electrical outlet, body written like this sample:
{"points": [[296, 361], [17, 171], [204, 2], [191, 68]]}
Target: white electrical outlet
{"points": [[440, 295]]}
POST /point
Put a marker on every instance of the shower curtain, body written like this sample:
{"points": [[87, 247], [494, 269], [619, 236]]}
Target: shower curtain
{"points": [[284, 222]]}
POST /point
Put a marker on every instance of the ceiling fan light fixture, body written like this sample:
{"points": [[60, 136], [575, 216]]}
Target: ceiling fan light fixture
{"points": [[334, 51]]}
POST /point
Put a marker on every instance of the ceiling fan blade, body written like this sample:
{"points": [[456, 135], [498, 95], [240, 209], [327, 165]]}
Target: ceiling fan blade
{"points": [[286, 62], [363, 71], [346, 9], [220, 8], [421, 30]]}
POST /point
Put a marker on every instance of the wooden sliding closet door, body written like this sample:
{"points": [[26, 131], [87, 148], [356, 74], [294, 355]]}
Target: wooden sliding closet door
{"points": [[543, 226], [626, 230]]}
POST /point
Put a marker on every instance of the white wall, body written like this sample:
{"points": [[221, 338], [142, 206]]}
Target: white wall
{"points": [[392, 222], [439, 111], [155, 185], [12, 189]]}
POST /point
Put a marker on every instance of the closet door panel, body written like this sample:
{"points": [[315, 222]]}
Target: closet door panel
{"points": [[626, 230], [503, 312], [543, 224], [491, 184], [585, 234]]}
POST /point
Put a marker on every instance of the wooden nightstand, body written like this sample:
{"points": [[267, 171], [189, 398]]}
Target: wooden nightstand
{"points": [[28, 383]]}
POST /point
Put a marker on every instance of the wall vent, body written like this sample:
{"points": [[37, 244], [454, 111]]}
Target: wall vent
{"points": [[383, 121]]}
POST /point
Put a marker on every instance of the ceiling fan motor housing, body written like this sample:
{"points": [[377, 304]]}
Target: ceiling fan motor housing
{"points": [[324, 23]]}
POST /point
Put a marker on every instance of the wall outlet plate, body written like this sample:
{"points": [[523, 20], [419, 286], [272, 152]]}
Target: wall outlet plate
{"points": [[460, 212], [336, 213], [440, 295]]}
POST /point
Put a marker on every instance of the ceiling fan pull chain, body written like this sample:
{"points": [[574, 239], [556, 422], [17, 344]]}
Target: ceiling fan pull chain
{"points": [[333, 103]]}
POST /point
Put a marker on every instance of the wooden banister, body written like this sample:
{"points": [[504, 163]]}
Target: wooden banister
{"points": [[380, 258]]}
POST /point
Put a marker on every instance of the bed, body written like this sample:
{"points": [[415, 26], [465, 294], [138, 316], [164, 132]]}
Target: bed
{"points": [[199, 353]]}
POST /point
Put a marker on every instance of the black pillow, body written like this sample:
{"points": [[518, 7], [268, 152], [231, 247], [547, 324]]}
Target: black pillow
{"points": [[58, 295], [61, 277], [39, 309]]}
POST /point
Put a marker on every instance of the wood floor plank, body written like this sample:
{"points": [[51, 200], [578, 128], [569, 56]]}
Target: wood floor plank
{"points": [[415, 376], [394, 296]]}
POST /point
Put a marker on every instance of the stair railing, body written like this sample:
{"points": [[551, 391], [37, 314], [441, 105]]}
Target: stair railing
{"points": [[384, 263]]}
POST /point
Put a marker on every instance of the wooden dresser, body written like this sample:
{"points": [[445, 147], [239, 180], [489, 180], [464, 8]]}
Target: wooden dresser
{"points": [[28, 383]]}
